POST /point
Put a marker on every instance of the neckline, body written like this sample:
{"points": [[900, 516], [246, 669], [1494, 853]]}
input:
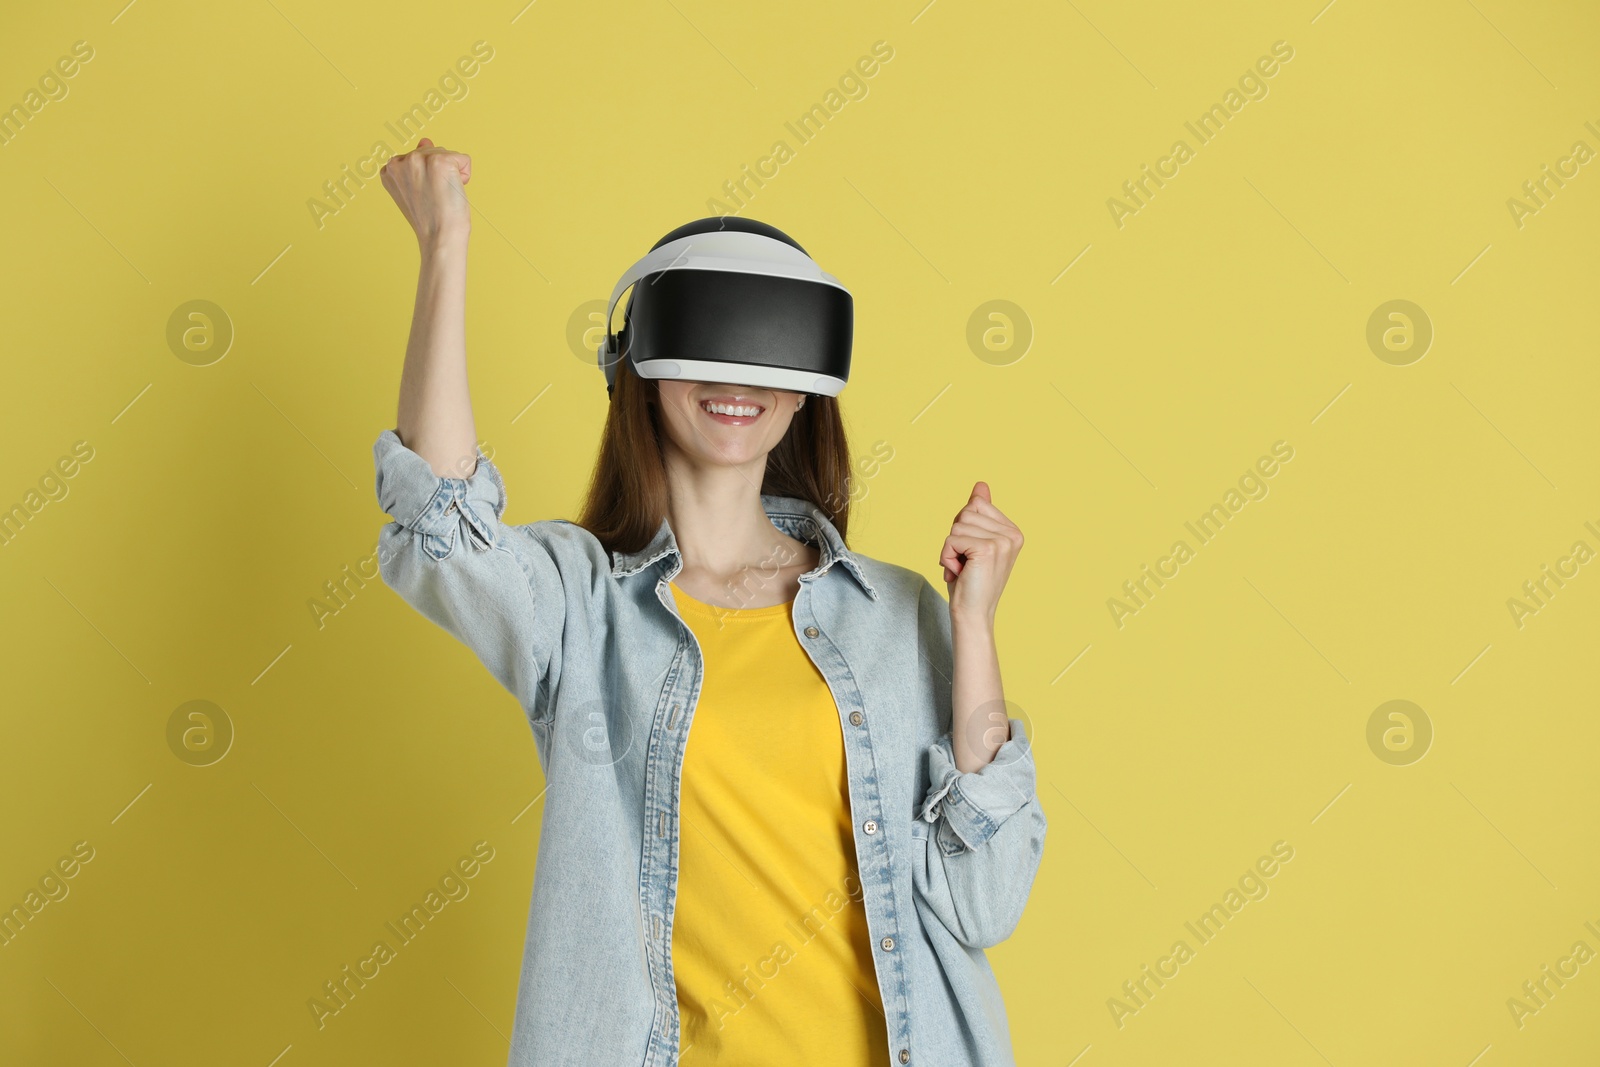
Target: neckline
{"points": [[699, 607]]}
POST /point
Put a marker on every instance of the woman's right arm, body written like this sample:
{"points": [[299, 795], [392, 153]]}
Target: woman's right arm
{"points": [[496, 588], [435, 416]]}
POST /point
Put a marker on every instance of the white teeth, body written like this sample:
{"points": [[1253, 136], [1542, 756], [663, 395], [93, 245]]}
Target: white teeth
{"points": [[746, 410]]}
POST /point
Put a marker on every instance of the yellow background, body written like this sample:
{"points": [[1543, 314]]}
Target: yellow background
{"points": [[1229, 313]]}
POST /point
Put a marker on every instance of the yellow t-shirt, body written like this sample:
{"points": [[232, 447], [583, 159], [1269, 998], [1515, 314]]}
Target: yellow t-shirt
{"points": [[770, 945]]}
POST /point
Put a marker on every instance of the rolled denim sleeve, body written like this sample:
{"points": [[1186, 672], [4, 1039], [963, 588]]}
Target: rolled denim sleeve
{"points": [[494, 587], [986, 829]]}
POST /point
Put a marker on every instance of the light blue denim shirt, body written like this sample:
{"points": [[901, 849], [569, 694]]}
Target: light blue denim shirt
{"points": [[608, 675]]}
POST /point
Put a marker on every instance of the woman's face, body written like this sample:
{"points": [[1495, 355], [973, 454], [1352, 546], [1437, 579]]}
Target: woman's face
{"points": [[746, 424]]}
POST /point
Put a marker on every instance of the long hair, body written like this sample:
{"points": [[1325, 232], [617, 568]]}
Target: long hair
{"points": [[628, 496]]}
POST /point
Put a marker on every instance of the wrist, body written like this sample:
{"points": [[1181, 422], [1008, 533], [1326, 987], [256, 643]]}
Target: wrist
{"points": [[443, 245], [974, 622]]}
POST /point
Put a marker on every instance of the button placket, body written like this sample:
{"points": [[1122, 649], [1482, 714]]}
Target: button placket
{"points": [[838, 676]]}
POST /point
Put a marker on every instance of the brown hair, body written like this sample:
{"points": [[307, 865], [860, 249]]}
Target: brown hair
{"points": [[627, 497]]}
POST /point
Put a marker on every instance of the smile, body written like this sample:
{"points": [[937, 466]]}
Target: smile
{"points": [[732, 413]]}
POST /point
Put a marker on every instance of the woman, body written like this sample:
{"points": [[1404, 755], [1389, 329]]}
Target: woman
{"points": [[815, 878]]}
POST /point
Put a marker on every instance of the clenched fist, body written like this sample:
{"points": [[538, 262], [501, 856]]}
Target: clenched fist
{"points": [[426, 183], [978, 556]]}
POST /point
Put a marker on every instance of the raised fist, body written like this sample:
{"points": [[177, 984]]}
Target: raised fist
{"points": [[426, 183]]}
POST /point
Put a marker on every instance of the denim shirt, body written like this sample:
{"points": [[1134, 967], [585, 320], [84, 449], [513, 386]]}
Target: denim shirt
{"points": [[593, 648]]}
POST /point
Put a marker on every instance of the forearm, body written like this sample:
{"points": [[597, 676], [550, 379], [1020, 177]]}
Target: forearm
{"points": [[979, 724], [435, 412]]}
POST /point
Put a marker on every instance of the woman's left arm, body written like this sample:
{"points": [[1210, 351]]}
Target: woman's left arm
{"points": [[986, 848], [977, 558]]}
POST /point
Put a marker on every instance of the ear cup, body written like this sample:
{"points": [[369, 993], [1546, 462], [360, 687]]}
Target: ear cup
{"points": [[615, 348]]}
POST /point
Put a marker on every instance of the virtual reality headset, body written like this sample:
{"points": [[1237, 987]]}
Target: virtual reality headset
{"points": [[728, 299]]}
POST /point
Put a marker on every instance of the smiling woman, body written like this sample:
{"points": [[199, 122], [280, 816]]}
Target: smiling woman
{"points": [[714, 432], [793, 446], [848, 723]]}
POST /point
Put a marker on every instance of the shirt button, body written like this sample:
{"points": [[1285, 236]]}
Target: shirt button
{"points": [[855, 718], [888, 945], [812, 631], [905, 1055], [870, 826]]}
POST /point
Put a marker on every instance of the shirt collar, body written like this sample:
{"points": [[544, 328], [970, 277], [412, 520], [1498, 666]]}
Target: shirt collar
{"points": [[792, 515]]}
